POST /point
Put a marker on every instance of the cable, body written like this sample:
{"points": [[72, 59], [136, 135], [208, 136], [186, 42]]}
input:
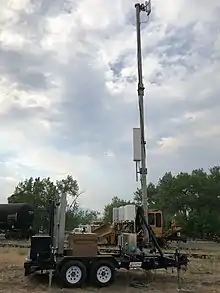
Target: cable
{"points": [[139, 284]]}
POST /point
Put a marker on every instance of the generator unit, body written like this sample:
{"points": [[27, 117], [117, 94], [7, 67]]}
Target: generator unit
{"points": [[127, 242]]}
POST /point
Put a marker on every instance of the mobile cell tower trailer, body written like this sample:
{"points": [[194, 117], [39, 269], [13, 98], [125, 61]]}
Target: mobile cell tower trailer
{"points": [[73, 265], [83, 259]]}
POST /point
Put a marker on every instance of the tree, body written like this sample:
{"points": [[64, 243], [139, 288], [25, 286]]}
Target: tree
{"points": [[76, 216], [152, 194], [192, 199], [40, 192]]}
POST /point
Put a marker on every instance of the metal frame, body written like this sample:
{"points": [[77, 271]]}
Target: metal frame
{"points": [[143, 170]]}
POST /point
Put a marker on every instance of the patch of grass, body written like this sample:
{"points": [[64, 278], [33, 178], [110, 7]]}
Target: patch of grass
{"points": [[13, 250], [22, 251], [12, 256], [6, 249]]}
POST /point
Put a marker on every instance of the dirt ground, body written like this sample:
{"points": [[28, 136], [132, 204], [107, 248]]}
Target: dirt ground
{"points": [[201, 276]]}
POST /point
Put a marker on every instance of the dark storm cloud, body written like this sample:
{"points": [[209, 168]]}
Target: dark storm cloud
{"points": [[90, 118], [24, 68], [20, 114], [160, 116], [178, 41]]}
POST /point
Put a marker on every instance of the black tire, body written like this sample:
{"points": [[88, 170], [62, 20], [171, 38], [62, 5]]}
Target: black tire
{"points": [[74, 280], [102, 273]]}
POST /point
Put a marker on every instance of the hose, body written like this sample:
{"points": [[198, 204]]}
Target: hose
{"points": [[139, 284]]}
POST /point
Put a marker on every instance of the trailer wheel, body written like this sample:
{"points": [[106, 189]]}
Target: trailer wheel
{"points": [[102, 273], [73, 274]]}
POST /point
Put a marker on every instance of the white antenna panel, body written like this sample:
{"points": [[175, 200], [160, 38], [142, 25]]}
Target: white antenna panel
{"points": [[136, 144], [115, 215], [129, 212], [121, 213]]}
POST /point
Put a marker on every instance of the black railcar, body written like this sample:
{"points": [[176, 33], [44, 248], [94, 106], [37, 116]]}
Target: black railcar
{"points": [[16, 220]]}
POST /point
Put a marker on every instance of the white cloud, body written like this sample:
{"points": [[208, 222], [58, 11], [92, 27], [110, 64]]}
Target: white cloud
{"points": [[68, 92], [169, 143]]}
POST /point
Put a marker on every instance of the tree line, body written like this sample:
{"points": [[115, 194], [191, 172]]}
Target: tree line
{"points": [[39, 193], [192, 199]]}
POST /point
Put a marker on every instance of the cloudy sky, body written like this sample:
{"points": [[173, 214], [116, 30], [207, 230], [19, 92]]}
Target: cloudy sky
{"points": [[68, 91]]}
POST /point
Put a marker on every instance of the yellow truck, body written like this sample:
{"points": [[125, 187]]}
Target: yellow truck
{"points": [[107, 233]]}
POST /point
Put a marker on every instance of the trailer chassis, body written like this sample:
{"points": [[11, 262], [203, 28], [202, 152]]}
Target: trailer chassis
{"points": [[101, 268], [73, 271]]}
